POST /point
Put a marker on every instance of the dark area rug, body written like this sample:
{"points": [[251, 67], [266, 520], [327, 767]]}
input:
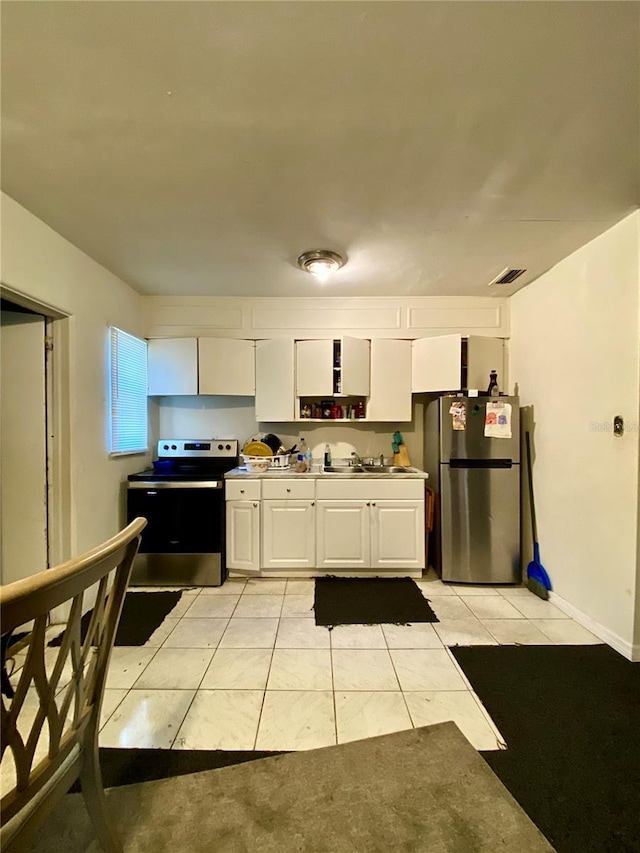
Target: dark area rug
{"points": [[142, 613], [130, 766], [571, 719], [370, 601]]}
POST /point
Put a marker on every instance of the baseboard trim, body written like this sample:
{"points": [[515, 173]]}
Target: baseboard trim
{"points": [[628, 650]]}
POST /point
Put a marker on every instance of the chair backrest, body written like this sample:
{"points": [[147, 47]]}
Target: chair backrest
{"points": [[45, 720]]}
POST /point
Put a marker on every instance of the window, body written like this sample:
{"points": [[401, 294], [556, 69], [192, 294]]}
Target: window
{"points": [[128, 393]]}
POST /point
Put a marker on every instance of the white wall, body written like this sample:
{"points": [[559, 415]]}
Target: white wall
{"points": [[574, 357], [38, 263]]}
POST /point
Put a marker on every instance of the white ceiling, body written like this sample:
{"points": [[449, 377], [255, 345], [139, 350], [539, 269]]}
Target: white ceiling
{"points": [[197, 148]]}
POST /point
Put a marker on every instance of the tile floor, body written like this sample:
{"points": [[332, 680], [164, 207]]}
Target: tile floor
{"points": [[244, 667]]}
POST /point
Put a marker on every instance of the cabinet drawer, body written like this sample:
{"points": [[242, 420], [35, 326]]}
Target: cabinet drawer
{"points": [[370, 489], [289, 489], [242, 490]]}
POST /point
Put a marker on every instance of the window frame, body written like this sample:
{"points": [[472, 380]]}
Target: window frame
{"points": [[120, 343]]}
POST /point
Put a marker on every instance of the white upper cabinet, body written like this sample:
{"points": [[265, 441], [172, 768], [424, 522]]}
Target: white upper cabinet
{"points": [[172, 366], [454, 363], [275, 380], [437, 363], [390, 397], [314, 368], [326, 368], [226, 366]]}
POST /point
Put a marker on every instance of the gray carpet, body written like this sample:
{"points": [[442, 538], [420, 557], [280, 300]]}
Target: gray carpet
{"points": [[423, 789]]}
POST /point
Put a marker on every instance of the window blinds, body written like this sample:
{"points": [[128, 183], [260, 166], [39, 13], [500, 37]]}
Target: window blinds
{"points": [[128, 392]]}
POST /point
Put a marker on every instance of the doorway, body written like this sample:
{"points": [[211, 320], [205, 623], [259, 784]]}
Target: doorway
{"points": [[34, 486]]}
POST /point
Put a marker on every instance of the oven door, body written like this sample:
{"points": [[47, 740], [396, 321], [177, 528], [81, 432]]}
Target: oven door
{"points": [[183, 541]]}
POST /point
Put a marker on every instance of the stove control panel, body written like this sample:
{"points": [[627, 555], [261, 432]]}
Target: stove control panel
{"points": [[197, 448]]}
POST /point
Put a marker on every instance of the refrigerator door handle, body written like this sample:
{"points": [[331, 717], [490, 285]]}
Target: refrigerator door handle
{"points": [[481, 463]]}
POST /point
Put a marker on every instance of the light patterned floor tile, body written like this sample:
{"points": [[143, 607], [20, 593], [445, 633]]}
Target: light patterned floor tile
{"points": [[426, 669], [175, 669], [238, 669], [232, 586], [536, 608], [357, 637], [450, 607], [301, 633], [513, 591], [464, 632], [182, 606], [298, 605], [430, 707], [147, 719], [300, 669], [566, 632], [420, 635], [359, 669], [468, 590], [301, 587], [212, 607], [221, 719], [369, 714], [516, 631], [161, 633], [492, 607], [127, 664], [112, 698], [265, 586], [259, 606], [249, 634], [296, 719], [196, 634], [435, 588]]}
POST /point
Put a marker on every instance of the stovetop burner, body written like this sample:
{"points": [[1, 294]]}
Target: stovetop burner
{"points": [[191, 459]]}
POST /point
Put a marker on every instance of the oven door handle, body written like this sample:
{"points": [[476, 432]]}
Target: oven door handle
{"points": [[182, 484]]}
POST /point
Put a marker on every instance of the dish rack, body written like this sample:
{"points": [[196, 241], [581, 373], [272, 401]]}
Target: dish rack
{"points": [[258, 464]]}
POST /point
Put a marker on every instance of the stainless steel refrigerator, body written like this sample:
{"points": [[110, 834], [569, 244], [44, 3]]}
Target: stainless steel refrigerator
{"points": [[477, 482]]}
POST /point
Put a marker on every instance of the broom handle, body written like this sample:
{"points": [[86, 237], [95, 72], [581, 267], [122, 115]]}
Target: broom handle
{"points": [[534, 526]]}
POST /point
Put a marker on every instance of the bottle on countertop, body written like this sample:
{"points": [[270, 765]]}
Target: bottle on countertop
{"points": [[493, 390], [327, 456]]}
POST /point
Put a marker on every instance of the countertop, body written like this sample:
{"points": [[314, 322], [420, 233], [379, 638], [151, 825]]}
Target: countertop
{"points": [[288, 473]]}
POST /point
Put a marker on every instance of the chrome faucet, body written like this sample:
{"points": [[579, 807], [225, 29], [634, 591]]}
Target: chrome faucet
{"points": [[355, 459], [381, 459]]}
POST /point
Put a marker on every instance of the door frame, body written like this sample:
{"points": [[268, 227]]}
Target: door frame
{"points": [[58, 423]]}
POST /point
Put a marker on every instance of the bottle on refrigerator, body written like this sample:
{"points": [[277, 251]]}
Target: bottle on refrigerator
{"points": [[493, 390]]}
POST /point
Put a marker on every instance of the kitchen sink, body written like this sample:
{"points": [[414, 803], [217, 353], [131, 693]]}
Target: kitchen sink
{"points": [[384, 469], [366, 469]]}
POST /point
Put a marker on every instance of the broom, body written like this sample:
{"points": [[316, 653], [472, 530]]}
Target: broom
{"points": [[537, 577]]}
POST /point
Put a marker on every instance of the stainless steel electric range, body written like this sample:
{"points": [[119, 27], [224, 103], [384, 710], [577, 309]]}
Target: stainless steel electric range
{"points": [[182, 498]]}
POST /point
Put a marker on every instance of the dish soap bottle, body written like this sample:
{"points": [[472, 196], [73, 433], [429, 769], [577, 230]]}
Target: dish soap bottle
{"points": [[327, 456], [493, 390]]}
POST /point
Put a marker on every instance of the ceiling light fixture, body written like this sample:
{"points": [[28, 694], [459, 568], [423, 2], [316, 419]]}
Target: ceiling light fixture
{"points": [[320, 262]]}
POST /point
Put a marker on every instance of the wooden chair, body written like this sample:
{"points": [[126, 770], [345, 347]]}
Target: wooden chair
{"points": [[49, 733]]}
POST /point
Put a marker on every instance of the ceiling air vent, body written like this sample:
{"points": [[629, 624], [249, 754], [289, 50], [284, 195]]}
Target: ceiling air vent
{"points": [[507, 276]]}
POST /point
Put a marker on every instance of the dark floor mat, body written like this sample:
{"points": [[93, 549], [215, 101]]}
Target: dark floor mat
{"points": [[370, 601], [130, 766], [142, 614], [570, 716]]}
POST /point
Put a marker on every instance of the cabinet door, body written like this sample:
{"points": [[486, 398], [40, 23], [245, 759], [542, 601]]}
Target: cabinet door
{"points": [[314, 368], [483, 356], [243, 536], [172, 366], [342, 535], [437, 363], [397, 535], [274, 380], [288, 535], [390, 398], [226, 367], [355, 366]]}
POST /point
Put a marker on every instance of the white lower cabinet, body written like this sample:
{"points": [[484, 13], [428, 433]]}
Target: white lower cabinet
{"points": [[243, 536], [288, 535], [343, 535], [275, 526]]}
